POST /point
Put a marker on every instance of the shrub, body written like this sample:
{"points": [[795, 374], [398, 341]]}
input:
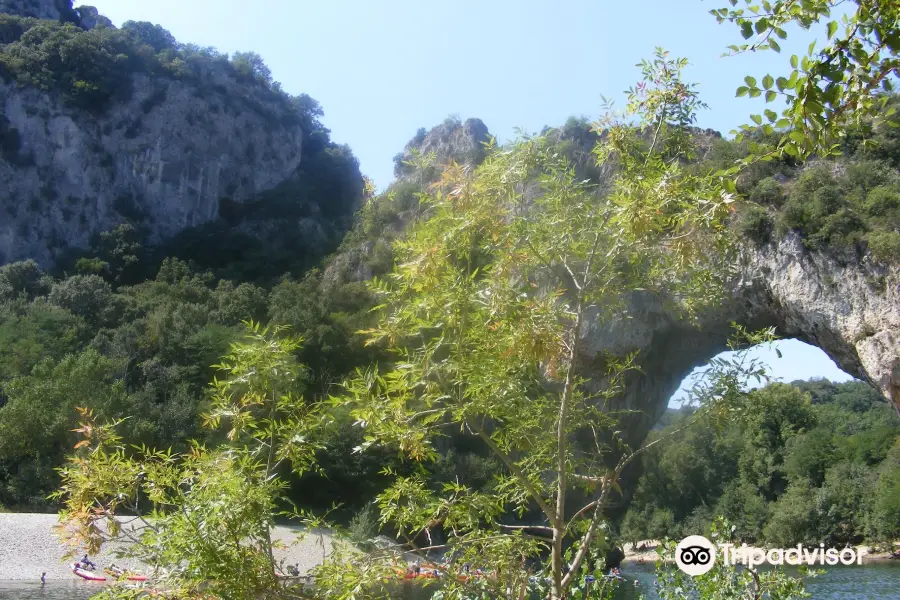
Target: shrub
{"points": [[87, 296], [884, 245], [768, 192], [884, 201], [794, 518], [364, 527], [884, 517], [23, 278], [756, 225], [661, 524]]}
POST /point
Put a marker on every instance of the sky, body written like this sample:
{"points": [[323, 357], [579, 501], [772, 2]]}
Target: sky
{"points": [[383, 68]]}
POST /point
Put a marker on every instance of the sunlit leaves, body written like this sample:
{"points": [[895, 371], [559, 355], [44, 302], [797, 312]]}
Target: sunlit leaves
{"points": [[829, 88], [485, 312], [204, 517]]}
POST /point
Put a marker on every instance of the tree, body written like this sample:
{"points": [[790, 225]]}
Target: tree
{"points": [[204, 516], [825, 90], [35, 423], [252, 65], [485, 315], [23, 278], [85, 296], [885, 515], [153, 35]]}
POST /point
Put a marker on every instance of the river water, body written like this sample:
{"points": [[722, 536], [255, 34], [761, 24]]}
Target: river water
{"points": [[875, 581]]}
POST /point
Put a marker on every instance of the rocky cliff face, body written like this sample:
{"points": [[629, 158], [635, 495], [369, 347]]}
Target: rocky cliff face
{"points": [[165, 157], [179, 140], [452, 140], [850, 312], [40, 9]]}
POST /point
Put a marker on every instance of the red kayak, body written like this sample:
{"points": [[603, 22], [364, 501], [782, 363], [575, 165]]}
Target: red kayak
{"points": [[85, 574]]}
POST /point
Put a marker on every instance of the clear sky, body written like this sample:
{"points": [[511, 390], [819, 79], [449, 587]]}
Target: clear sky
{"points": [[383, 68]]}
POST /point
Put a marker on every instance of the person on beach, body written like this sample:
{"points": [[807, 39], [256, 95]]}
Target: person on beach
{"points": [[43, 578]]}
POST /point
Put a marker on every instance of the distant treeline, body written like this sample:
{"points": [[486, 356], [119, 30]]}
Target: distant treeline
{"points": [[812, 462]]}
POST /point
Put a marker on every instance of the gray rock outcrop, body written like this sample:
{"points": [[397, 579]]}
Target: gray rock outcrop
{"points": [[89, 18], [452, 140], [851, 312], [166, 157]]}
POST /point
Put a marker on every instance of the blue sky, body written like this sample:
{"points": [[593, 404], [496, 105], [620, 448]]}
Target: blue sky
{"points": [[383, 68]]}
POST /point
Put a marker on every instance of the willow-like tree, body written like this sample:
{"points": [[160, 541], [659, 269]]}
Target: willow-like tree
{"points": [[201, 520], [495, 290]]}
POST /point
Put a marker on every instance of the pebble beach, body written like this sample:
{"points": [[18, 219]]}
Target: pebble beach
{"points": [[29, 546]]}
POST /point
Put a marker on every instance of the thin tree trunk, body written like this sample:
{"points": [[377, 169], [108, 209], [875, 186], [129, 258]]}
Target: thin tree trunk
{"points": [[556, 591]]}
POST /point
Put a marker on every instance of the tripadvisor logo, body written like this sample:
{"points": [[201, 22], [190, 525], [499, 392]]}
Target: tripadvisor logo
{"points": [[696, 555]]}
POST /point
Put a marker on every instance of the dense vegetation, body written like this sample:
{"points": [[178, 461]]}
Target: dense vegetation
{"points": [[814, 462], [91, 68], [844, 206], [142, 350]]}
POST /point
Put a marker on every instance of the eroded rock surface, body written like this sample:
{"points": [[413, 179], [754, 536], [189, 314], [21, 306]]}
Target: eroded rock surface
{"points": [[166, 157], [851, 312]]}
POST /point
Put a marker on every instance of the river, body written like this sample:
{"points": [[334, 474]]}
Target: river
{"points": [[875, 581]]}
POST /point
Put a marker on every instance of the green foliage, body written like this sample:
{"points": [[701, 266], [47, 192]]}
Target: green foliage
{"points": [[840, 206], [482, 315], [755, 224], [92, 68], [22, 279], [364, 527], [205, 515], [884, 520], [35, 423], [839, 84], [768, 192], [801, 465], [884, 245], [163, 333]]}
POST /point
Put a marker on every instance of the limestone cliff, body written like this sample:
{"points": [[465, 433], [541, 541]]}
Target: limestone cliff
{"points": [[55, 10], [40, 9], [167, 157], [363, 252], [169, 142], [851, 312], [452, 140]]}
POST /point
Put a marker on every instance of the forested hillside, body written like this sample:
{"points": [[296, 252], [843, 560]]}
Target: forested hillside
{"points": [[814, 462]]}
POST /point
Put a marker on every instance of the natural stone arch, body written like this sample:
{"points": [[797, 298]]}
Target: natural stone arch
{"points": [[851, 312]]}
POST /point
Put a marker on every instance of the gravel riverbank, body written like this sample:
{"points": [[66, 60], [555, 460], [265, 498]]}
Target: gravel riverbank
{"points": [[28, 547]]}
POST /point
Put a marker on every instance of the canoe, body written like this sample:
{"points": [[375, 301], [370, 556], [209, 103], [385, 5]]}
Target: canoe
{"points": [[85, 574]]}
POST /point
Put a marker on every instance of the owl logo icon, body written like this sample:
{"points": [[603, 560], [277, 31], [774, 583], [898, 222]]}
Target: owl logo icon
{"points": [[695, 555]]}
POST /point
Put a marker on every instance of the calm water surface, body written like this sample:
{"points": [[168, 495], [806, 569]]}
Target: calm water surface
{"points": [[877, 581]]}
